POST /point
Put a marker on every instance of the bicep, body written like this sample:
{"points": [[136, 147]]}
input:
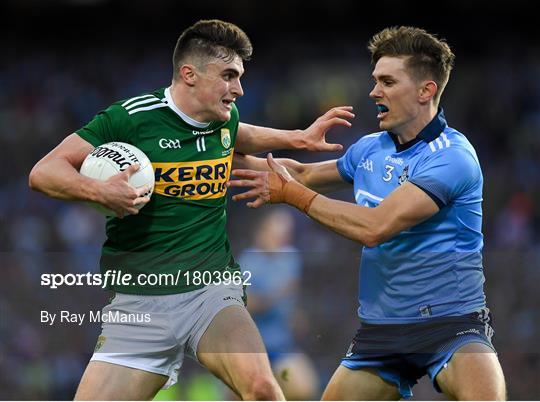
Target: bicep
{"points": [[244, 137], [405, 207], [241, 161], [73, 149], [323, 177]]}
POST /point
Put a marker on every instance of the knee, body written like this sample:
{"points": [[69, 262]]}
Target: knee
{"points": [[495, 392], [262, 388], [484, 396]]}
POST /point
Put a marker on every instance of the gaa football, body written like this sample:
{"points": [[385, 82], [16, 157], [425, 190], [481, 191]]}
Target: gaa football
{"points": [[111, 158]]}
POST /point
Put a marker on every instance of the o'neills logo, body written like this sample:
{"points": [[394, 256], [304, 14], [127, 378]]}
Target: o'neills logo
{"points": [[123, 158], [193, 180]]}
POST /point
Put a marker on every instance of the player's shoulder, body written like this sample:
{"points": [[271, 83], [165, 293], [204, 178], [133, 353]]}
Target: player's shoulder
{"points": [[369, 140], [140, 103], [373, 137], [452, 148], [450, 142]]}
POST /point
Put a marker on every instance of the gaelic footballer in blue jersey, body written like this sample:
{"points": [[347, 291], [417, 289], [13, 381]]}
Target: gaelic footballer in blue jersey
{"points": [[418, 190]]}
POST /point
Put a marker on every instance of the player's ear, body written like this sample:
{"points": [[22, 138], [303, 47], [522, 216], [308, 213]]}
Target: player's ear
{"points": [[427, 91], [187, 74]]}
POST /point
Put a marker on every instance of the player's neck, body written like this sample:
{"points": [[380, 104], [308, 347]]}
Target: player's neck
{"points": [[184, 102], [411, 130]]}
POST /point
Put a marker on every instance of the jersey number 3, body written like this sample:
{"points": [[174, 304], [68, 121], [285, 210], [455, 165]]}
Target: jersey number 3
{"points": [[388, 174]]}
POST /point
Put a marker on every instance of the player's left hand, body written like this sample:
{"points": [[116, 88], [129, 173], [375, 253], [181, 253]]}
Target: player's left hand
{"points": [[265, 187], [314, 137]]}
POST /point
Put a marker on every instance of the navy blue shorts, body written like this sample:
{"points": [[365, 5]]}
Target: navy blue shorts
{"points": [[403, 353]]}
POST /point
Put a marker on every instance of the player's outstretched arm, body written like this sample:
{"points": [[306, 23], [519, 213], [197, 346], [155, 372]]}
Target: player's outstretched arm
{"points": [[322, 177], [405, 207], [56, 175], [255, 139]]}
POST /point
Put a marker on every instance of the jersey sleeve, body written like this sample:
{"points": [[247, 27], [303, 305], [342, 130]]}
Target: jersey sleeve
{"points": [[348, 163], [111, 124], [448, 175]]}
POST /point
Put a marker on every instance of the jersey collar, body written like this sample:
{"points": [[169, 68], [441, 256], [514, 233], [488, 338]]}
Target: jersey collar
{"points": [[183, 116], [433, 129]]}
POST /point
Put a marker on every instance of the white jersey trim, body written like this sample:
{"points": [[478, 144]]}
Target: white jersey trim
{"points": [[141, 102], [446, 140], [437, 144], [142, 109], [201, 144], [183, 116], [135, 98], [362, 192], [372, 135]]}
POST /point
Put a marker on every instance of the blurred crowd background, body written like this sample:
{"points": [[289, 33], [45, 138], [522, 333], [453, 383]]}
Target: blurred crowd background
{"points": [[62, 61]]}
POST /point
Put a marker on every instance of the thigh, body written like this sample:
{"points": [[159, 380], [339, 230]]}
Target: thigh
{"points": [[107, 381], [361, 385], [143, 343], [232, 349], [297, 376], [473, 373]]}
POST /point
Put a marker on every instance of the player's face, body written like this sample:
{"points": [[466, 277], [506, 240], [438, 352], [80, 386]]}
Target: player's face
{"points": [[218, 87], [396, 95]]}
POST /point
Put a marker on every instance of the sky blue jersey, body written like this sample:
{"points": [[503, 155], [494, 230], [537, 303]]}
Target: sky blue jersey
{"points": [[435, 268]]}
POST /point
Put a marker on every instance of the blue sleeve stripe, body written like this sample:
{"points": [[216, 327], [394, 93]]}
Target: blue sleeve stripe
{"points": [[435, 199], [343, 172]]}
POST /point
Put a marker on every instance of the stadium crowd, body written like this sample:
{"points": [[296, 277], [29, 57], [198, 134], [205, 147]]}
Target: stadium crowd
{"points": [[48, 93]]}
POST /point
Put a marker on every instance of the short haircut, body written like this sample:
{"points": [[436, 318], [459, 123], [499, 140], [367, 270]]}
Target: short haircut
{"points": [[428, 56], [208, 39]]}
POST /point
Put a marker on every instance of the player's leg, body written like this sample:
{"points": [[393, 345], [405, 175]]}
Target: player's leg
{"points": [[134, 359], [473, 373], [107, 381], [297, 376], [232, 349], [361, 385]]}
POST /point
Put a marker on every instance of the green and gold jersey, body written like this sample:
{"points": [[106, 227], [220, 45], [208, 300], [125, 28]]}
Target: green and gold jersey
{"points": [[183, 227]]}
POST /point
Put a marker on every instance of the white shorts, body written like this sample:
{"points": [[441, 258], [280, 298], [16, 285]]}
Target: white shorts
{"points": [[154, 333]]}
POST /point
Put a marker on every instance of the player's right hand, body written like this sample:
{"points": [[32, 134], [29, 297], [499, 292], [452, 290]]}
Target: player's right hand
{"points": [[121, 197], [272, 187], [265, 187]]}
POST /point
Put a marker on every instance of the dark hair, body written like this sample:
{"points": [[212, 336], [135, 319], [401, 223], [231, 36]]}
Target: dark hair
{"points": [[211, 38], [430, 57]]}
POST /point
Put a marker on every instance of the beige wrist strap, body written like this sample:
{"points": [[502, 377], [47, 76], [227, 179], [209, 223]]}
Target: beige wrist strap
{"points": [[290, 192]]}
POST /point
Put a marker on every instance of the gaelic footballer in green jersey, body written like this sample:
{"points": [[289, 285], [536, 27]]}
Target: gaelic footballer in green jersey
{"points": [[182, 228]]}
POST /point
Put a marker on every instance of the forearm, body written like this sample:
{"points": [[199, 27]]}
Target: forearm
{"points": [[57, 178], [355, 222], [295, 168], [321, 177], [256, 139], [405, 207]]}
